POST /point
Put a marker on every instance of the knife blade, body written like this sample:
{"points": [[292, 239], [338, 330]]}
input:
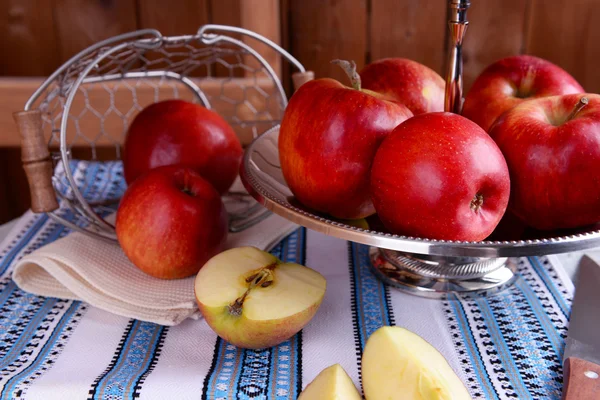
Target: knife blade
{"points": [[581, 359]]}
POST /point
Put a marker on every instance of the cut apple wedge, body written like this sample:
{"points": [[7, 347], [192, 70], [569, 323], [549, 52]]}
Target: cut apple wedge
{"points": [[398, 364], [253, 300], [333, 383]]}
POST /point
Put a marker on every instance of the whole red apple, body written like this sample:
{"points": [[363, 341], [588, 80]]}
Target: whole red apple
{"points": [[511, 81], [552, 147], [327, 141], [170, 222], [416, 86], [179, 132], [440, 176]]}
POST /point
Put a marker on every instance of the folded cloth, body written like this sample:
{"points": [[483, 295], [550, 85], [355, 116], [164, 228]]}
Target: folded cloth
{"points": [[80, 267]]}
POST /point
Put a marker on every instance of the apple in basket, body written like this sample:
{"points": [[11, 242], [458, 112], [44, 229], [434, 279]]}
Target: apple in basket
{"points": [[511, 81], [170, 222], [253, 300], [440, 176], [552, 147], [179, 132], [328, 138], [418, 87]]}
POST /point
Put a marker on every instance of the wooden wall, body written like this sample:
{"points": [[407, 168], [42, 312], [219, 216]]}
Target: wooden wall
{"points": [[39, 35]]}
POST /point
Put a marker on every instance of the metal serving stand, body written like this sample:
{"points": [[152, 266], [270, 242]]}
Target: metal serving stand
{"points": [[426, 267]]}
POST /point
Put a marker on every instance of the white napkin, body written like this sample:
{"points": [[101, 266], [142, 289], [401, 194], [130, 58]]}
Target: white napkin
{"points": [[83, 268]]}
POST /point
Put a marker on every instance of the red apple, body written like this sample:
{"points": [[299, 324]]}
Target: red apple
{"points": [[327, 141], [552, 147], [179, 132], [416, 86], [440, 176], [170, 222], [511, 81]]}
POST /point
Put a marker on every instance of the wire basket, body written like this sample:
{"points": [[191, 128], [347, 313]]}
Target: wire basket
{"points": [[85, 107]]}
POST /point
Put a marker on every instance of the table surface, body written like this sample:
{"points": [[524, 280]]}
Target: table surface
{"points": [[569, 261]]}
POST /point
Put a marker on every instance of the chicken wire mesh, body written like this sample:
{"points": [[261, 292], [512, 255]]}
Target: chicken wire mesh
{"points": [[88, 104]]}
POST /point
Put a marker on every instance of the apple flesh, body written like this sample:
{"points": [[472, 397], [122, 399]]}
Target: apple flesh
{"points": [[333, 383], [552, 147], [170, 222], [511, 81], [179, 132], [398, 364], [253, 300], [440, 176], [418, 87], [327, 141]]}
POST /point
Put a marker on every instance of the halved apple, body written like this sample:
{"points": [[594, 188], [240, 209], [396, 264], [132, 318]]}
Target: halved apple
{"points": [[333, 383], [399, 364], [253, 300]]}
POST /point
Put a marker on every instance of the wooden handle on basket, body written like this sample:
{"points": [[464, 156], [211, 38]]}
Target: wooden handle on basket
{"points": [[300, 78], [36, 161], [581, 380]]}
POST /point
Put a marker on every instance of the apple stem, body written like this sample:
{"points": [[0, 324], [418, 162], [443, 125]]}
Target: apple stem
{"points": [[578, 107], [263, 278], [349, 68]]}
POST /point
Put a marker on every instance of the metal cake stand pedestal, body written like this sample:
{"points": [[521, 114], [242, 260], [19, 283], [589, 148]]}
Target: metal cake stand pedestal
{"points": [[426, 267]]}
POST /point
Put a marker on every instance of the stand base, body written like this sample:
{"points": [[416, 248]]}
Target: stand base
{"points": [[441, 277]]}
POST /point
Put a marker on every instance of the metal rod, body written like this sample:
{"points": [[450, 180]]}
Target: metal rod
{"points": [[457, 23]]}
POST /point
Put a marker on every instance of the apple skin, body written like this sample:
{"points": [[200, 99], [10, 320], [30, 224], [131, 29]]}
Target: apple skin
{"points": [[426, 176], [179, 132], [327, 141], [170, 222], [418, 87], [511, 81], [256, 334], [554, 163]]}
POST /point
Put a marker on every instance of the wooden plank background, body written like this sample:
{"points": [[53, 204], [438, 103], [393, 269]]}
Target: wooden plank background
{"points": [[39, 35]]}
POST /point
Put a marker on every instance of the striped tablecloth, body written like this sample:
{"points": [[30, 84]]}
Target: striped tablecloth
{"points": [[508, 346]]}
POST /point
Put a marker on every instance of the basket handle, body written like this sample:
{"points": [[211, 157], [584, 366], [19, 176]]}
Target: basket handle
{"points": [[300, 78], [36, 161]]}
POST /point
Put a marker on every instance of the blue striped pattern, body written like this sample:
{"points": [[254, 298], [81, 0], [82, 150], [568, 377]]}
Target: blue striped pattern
{"points": [[511, 344], [260, 374], [370, 302], [135, 355], [34, 330], [556, 288], [372, 309]]}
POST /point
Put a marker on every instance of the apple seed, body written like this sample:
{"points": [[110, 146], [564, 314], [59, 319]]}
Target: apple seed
{"points": [[263, 278]]}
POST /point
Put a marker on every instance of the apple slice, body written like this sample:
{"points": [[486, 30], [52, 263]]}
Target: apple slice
{"points": [[253, 300], [333, 383], [398, 364]]}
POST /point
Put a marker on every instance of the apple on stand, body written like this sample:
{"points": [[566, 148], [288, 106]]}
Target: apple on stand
{"points": [[413, 84], [511, 81], [440, 176], [327, 141], [253, 300], [179, 132], [552, 148], [170, 222]]}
